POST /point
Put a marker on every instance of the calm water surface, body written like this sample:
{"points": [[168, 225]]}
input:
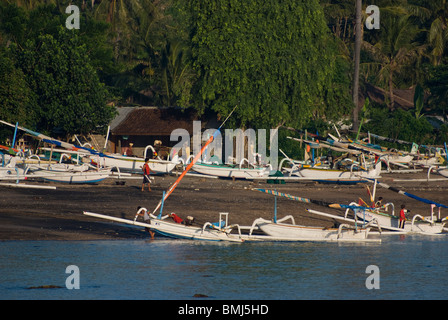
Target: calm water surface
{"points": [[411, 267]]}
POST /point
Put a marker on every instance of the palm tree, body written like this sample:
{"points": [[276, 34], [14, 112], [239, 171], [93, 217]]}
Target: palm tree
{"points": [[357, 57], [140, 32], [395, 49], [438, 30], [177, 74], [340, 15]]}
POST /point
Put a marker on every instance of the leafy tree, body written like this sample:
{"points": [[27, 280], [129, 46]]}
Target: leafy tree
{"points": [[395, 49], [438, 88], [16, 98], [177, 75], [69, 95], [433, 17], [54, 72], [400, 124], [269, 58], [152, 55]]}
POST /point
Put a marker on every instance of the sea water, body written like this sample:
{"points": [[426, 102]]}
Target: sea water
{"points": [[406, 267]]}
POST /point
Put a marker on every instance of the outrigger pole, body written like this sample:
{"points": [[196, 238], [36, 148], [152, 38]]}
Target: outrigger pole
{"points": [[174, 185], [307, 200], [410, 195]]}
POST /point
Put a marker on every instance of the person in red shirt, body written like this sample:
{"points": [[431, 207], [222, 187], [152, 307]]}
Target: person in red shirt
{"points": [[403, 216], [146, 172]]}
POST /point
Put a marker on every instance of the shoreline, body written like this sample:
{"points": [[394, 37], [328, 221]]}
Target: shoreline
{"points": [[46, 214]]}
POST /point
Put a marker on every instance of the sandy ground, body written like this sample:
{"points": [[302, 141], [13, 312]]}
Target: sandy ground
{"points": [[38, 214]]}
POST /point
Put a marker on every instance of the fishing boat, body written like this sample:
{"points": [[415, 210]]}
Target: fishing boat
{"points": [[72, 177], [426, 161], [37, 166], [292, 232], [107, 160], [71, 172], [134, 164], [433, 224], [7, 173], [231, 171], [430, 225], [164, 226], [355, 230], [336, 175], [221, 231]]}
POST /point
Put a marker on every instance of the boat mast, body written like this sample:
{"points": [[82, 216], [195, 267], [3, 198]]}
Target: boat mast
{"points": [[190, 165]]}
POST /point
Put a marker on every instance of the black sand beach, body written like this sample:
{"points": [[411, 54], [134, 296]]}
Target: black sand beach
{"points": [[40, 214]]}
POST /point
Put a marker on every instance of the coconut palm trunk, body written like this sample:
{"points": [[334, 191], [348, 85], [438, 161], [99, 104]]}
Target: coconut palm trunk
{"points": [[358, 40]]}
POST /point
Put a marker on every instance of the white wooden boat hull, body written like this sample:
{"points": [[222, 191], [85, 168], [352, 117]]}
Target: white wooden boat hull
{"points": [[135, 164], [323, 174], [290, 232], [443, 172], [13, 173], [90, 176], [398, 158], [57, 167], [433, 161], [230, 172], [181, 231], [176, 230]]}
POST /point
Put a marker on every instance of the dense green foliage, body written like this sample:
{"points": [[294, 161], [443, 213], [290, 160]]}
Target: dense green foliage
{"points": [[272, 59], [50, 82], [282, 62], [69, 95]]}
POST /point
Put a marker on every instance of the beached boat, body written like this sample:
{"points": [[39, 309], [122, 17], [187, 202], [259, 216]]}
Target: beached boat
{"points": [[54, 167], [432, 224], [231, 171], [357, 230], [78, 173], [135, 164], [72, 177], [292, 232], [126, 163], [220, 231], [427, 161], [398, 158], [333, 175]]}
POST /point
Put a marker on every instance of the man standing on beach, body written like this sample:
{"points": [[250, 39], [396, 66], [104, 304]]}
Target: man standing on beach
{"points": [[146, 219], [403, 216], [146, 172]]}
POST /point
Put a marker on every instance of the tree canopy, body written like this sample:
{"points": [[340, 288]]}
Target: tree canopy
{"points": [[50, 81], [283, 63], [272, 59]]}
